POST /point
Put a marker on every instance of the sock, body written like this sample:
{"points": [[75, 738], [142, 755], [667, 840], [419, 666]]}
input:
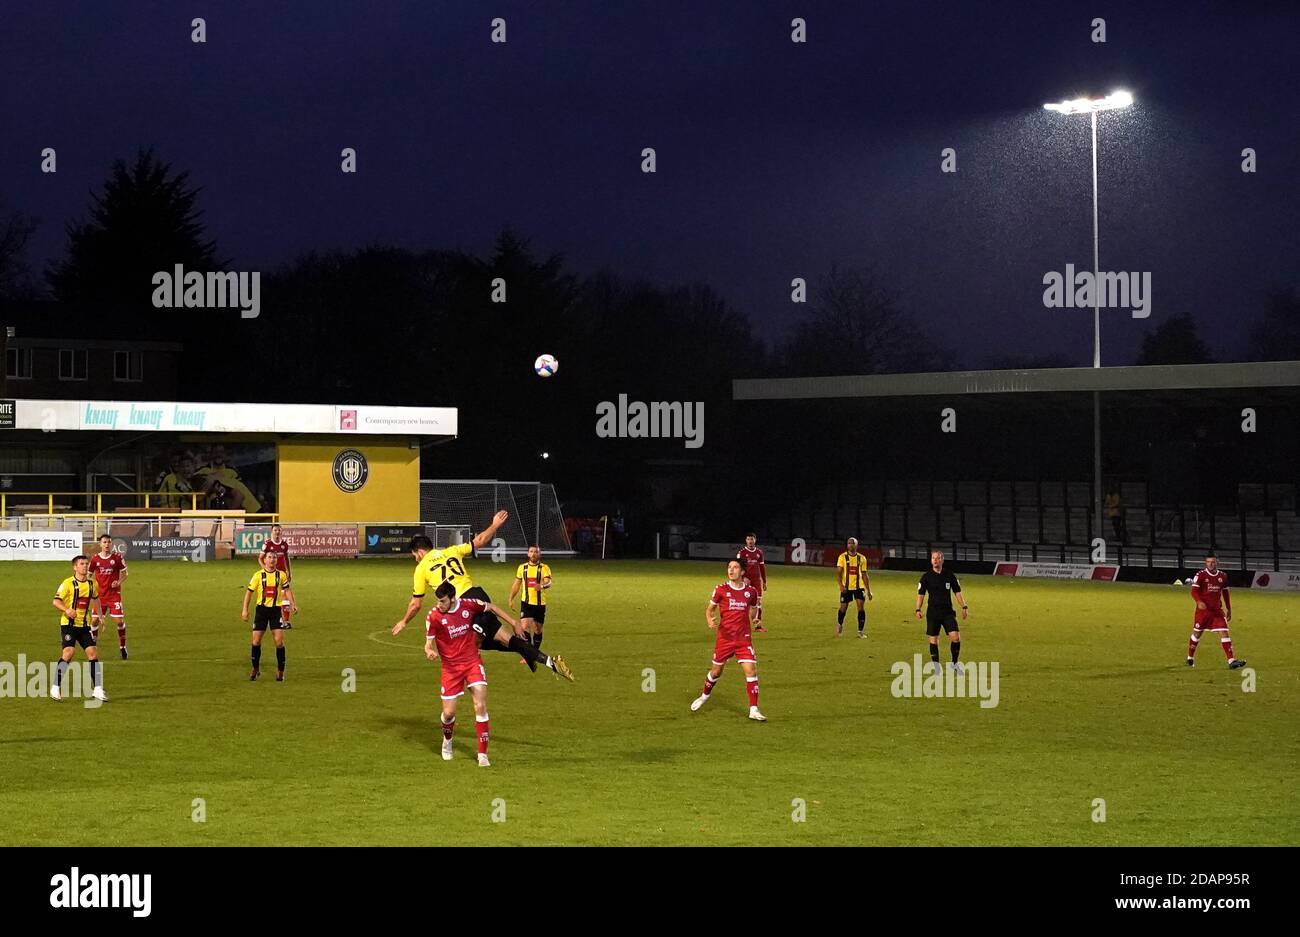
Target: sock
{"points": [[1227, 648], [448, 727], [840, 617], [482, 726], [62, 669], [862, 620], [257, 656], [710, 681], [955, 646], [279, 658], [121, 633], [934, 652], [537, 639], [96, 675], [524, 650], [1191, 644], [751, 687]]}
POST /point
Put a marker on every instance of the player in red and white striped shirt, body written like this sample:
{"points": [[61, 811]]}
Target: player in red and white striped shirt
{"points": [[1209, 589], [737, 600], [279, 548], [751, 557]]}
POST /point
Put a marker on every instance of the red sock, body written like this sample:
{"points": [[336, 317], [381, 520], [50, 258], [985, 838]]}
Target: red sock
{"points": [[482, 734], [448, 728], [1227, 647], [121, 634], [751, 687], [709, 684], [1192, 642]]}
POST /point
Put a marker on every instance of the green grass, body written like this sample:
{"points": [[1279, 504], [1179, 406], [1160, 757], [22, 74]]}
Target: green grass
{"points": [[1095, 702]]}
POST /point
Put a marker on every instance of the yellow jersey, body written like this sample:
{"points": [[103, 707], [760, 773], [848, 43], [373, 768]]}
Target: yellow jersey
{"points": [[532, 578], [76, 595], [852, 570], [439, 566], [266, 587]]}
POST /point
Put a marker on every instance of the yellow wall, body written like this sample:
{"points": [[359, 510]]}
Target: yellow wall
{"points": [[307, 491]]}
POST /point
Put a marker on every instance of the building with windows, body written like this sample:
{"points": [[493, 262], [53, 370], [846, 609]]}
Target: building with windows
{"points": [[46, 360]]}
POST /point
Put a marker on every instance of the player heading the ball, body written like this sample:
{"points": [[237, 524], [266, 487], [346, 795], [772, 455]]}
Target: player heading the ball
{"points": [[433, 567]]}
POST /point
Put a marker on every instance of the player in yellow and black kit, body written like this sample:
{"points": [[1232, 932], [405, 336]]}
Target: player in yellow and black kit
{"points": [[433, 567], [77, 600], [534, 578], [268, 586], [851, 574]]}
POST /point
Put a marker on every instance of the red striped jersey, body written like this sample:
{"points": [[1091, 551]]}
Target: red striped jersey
{"points": [[281, 550]]}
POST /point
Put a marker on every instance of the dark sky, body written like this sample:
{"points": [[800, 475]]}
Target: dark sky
{"points": [[775, 159]]}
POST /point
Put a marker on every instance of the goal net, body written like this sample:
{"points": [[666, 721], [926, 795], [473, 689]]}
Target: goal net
{"points": [[469, 504]]}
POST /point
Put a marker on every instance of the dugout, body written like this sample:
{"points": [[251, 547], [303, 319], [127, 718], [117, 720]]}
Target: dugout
{"points": [[297, 463]]}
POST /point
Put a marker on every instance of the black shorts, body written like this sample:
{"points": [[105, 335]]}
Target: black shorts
{"points": [[485, 623], [946, 620], [265, 616], [73, 635], [847, 594], [536, 612]]}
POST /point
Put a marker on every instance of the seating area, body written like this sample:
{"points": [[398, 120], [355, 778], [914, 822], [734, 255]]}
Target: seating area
{"points": [[1048, 521]]}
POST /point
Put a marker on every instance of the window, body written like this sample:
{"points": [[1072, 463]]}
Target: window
{"points": [[18, 364], [128, 366], [72, 364]]}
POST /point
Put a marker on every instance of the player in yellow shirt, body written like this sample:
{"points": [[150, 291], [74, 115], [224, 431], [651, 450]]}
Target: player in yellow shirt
{"points": [[851, 574], [77, 600], [268, 586], [534, 578], [433, 567]]}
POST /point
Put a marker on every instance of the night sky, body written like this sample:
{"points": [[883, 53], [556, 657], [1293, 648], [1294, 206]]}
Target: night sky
{"points": [[775, 159]]}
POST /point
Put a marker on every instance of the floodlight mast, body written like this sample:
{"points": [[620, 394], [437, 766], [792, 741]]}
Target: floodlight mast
{"points": [[1091, 106]]}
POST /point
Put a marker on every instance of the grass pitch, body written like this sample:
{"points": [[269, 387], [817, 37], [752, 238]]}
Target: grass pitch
{"points": [[1094, 702]]}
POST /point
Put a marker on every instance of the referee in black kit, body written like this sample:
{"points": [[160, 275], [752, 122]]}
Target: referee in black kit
{"points": [[942, 586]]}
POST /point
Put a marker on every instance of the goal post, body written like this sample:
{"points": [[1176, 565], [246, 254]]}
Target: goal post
{"points": [[533, 506]]}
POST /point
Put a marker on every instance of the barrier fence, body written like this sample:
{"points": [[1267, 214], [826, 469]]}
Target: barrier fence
{"points": [[212, 535]]}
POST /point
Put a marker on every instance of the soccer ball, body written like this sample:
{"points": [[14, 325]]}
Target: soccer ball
{"points": [[546, 365]]}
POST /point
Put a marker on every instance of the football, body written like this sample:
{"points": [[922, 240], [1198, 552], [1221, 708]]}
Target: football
{"points": [[546, 365]]}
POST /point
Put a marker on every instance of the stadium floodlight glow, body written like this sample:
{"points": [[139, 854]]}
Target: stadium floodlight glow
{"points": [[1111, 102]]}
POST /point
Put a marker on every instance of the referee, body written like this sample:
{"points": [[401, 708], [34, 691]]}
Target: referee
{"points": [[941, 585]]}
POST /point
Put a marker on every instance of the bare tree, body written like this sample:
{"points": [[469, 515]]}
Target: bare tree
{"points": [[854, 325]]}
